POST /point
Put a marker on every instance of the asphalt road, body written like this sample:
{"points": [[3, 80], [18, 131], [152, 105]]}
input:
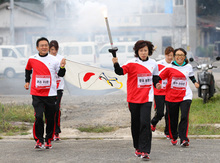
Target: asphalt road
{"points": [[108, 151]]}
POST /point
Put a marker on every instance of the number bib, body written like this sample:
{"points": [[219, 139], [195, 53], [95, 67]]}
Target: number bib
{"points": [[43, 81], [144, 80], [164, 83], [178, 83]]}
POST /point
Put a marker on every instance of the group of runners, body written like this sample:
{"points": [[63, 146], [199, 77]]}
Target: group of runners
{"points": [[165, 82]]}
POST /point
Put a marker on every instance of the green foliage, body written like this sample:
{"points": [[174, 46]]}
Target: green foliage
{"points": [[15, 113], [208, 113], [200, 52], [203, 130], [208, 7], [21, 113]]}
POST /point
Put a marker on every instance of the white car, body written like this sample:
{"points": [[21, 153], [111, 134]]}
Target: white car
{"points": [[82, 52], [124, 53], [12, 61]]}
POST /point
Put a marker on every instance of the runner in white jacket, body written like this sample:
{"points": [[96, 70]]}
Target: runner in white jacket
{"points": [[53, 49], [159, 95]]}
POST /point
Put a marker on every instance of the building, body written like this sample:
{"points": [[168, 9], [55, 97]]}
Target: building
{"points": [[164, 22]]}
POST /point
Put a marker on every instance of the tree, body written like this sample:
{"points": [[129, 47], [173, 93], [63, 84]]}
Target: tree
{"points": [[208, 7]]}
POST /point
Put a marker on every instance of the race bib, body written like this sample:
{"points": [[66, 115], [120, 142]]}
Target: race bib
{"points": [[144, 80], [164, 83], [42, 81], [178, 83]]}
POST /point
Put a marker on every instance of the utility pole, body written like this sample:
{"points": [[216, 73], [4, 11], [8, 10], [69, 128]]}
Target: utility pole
{"points": [[12, 30], [191, 25]]}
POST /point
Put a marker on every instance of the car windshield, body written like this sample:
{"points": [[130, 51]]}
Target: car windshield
{"points": [[21, 51]]}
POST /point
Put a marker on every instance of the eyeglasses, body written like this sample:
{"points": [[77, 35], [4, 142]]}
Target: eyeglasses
{"points": [[180, 55]]}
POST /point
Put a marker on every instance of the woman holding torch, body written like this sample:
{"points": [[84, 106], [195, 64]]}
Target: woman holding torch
{"points": [[141, 71]]}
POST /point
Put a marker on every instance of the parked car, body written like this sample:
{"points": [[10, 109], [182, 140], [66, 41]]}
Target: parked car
{"points": [[12, 61], [82, 52]]}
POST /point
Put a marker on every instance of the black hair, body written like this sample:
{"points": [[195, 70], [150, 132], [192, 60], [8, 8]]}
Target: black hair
{"points": [[41, 39], [181, 49]]}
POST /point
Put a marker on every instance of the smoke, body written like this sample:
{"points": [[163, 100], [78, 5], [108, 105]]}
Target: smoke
{"points": [[87, 15]]}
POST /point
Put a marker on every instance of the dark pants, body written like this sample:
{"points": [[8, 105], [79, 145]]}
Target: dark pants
{"points": [[160, 104], [140, 126], [58, 112], [173, 117], [46, 105]]}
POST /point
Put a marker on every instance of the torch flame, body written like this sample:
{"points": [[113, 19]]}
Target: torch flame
{"points": [[104, 11]]}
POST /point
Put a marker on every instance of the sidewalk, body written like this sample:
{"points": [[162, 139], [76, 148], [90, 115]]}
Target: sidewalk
{"points": [[122, 133]]}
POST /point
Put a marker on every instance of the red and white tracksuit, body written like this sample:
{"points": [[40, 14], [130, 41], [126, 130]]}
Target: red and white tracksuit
{"points": [[60, 87], [178, 95], [140, 96], [44, 92], [159, 100]]}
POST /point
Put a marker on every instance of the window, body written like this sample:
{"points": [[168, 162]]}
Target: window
{"points": [[8, 53], [179, 2], [105, 50], [86, 50], [121, 49], [157, 6], [130, 49], [166, 41], [71, 50]]}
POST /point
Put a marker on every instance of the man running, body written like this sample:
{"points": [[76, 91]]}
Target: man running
{"points": [[43, 90]]}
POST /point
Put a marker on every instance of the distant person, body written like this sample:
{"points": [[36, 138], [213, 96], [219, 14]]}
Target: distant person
{"points": [[178, 95], [141, 72], [159, 95], [43, 90], [53, 49]]}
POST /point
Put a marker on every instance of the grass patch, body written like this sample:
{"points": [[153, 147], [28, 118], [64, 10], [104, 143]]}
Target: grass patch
{"points": [[202, 114], [203, 130], [97, 129], [208, 113], [10, 113]]}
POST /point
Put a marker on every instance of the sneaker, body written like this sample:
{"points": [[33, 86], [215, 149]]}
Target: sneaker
{"points": [[184, 143], [153, 128], [56, 137], [174, 142], [39, 145], [137, 153], [145, 156], [48, 145], [167, 136]]}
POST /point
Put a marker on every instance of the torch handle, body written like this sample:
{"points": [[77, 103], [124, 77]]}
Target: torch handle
{"points": [[113, 51]]}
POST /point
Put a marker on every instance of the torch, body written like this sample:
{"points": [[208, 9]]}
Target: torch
{"points": [[113, 49]]}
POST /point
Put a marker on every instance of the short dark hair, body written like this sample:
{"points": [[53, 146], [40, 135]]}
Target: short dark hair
{"points": [[181, 49], [168, 50], [54, 44], [142, 43], [41, 39]]}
